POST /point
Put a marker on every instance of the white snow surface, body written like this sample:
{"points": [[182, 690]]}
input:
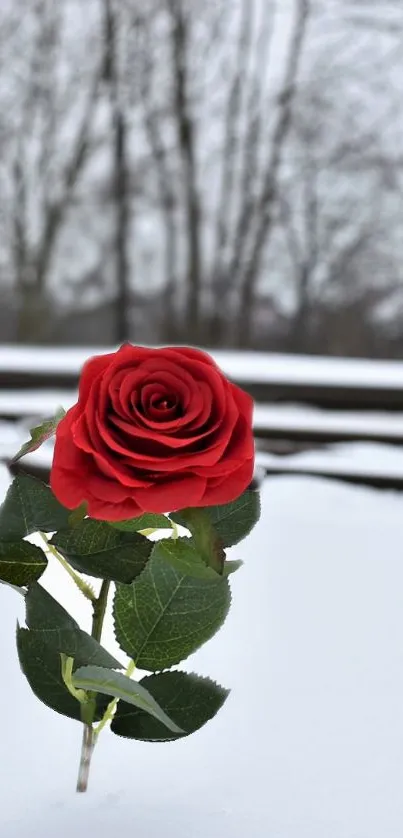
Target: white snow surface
{"points": [[258, 367], [35, 403], [358, 458], [12, 436], [310, 742], [4, 480], [290, 417]]}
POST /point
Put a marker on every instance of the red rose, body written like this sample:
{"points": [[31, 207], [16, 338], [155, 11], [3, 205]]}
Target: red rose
{"points": [[154, 430]]}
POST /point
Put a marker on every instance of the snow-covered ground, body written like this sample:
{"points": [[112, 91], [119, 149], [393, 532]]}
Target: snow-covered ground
{"points": [[310, 742], [297, 417], [354, 458], [34, 403], [260, 367], [4, 481]]}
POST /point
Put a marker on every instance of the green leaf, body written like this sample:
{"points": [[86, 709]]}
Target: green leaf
{"points": [[42, 668], [120, 686], [59, 632], [164, 616], [147, 521], [190, 701], [78, 515], [39, 434], [82, 647], [43, 612], [21, 563], [95, 548], [234, 521], [183, 555], [206, 539], [30, 506], [231, 521], [232, 567]]}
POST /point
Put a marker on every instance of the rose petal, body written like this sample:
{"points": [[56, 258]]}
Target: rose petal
{"points": [[241, 447], [230, 487], [139, 367], [103, 488], [104, 511], [172, 494], [67, 484], [92, 369], [244, 403], [193, 354], [124, 451], [109, 464]]}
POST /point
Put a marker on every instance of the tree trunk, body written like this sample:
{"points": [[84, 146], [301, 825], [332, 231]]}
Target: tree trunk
{"points": [[299, 336], [263, 223], [120, 173], [34, 323], [186, 139], [122, 230]]}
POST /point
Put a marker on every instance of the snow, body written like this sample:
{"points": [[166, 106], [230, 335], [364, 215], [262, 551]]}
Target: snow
{"points": [[257, 367], [265, 368], [4, 480], [309, 744], [10, 435], [301, 418], [38, 359], [28, 403], [364, 459]]}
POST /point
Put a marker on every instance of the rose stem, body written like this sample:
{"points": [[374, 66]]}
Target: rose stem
{"points": [[88, 743], [110, 710], [87, 748], [83, 586]]}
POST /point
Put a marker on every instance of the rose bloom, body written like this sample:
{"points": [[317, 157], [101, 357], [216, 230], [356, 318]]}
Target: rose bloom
{"points": [[154, 430]]}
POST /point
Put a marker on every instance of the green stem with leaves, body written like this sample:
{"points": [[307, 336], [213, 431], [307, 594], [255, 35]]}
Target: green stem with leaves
{"points": [[99, 609], [99, 605], [87, 748], [110, 710], [83, 586], [88, 741]]}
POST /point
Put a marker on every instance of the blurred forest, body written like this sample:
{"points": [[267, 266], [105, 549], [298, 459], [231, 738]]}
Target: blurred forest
{"points": [[220, 172]]}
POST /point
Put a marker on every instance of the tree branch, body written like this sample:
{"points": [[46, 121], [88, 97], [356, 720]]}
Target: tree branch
{"points": [[120, 173], [250, 165], [264, 210], [55, 212], [231, 140], [186, 140], [165, 177]]}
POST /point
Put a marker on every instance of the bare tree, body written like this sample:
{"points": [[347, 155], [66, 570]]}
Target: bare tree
{"points": [[329, 231], [232, 129], [261, 221], [111, 76], [46, 167], [240, 157], [176, 120], [162, 160], [181, 63], [384, 16]]}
